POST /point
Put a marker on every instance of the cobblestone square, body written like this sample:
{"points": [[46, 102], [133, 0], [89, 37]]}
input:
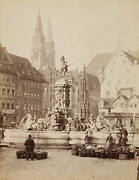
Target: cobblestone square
{"points": [[64, 166]]}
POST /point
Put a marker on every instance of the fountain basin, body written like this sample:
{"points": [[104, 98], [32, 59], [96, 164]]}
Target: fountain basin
{"points": [[59, 139]]}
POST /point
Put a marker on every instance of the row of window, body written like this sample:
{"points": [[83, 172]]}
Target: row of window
{"points": [[31, 94], [7, 92], [126, 105], [32, 83], [7, 80], [29, 107], [8, 105]]}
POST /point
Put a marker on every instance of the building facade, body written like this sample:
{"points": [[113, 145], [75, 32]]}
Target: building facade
{"points": [[23, 88], [124, 109], [120, 73], [120, 90], [7, 87], [31, 88]]}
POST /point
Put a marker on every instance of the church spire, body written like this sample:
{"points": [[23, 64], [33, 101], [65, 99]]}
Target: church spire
{"points": [[49, 36], [38, 27]]}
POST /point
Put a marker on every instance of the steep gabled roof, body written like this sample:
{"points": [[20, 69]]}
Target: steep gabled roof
{"points": [[137, 96], [24, 69], [100, 60], [123, 96]]}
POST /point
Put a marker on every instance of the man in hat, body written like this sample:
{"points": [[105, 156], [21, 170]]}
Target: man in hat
{"points": [[29, 143]]}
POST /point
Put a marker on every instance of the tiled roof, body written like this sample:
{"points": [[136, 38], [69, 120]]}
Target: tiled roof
{"points": [[100, 60], [6, 65], [103, 59], [24, 68], [123, 96]]}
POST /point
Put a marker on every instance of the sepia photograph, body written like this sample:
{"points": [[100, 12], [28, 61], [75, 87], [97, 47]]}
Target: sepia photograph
{"points": [[69, 89]]}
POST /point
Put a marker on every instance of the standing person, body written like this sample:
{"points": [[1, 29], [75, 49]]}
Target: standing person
{"points": [[109, 141], [89, 134], [124, 132], [29, 143], [123, 142]]}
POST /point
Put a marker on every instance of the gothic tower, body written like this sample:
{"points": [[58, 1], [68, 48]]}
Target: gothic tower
{"points": [[50, 50], [38, 55], [43, 52]]}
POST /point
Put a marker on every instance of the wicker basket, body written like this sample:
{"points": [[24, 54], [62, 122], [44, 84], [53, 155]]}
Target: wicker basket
{"points": [[102, 154], [123, 156], [97, 154], [116, 155], [131, 155], [111, 155], [88, 152], [93, 153]]}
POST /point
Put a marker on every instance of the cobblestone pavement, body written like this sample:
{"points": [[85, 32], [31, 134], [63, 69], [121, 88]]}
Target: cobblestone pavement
{"points": [[61, 165]]}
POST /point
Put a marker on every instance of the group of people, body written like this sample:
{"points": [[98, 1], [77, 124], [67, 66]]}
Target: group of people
{"points": [[110, 140]]}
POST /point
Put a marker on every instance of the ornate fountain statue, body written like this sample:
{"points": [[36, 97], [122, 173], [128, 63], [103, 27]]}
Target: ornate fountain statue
{"points": [[62, 98]]}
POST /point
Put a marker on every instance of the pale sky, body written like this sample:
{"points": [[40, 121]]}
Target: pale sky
{"points": [[81, 28]]}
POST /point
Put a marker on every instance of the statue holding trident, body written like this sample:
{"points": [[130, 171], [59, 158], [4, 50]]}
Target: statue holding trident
{"points": [[64, 66]]}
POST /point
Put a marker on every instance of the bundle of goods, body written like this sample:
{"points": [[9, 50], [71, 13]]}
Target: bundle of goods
{"points": [[129, 153], [21, 154], [41, 155], [101, 151], [37, 154]]}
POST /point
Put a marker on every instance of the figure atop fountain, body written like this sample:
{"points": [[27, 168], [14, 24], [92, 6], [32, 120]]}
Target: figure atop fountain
{"points": [[64, 66]]}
